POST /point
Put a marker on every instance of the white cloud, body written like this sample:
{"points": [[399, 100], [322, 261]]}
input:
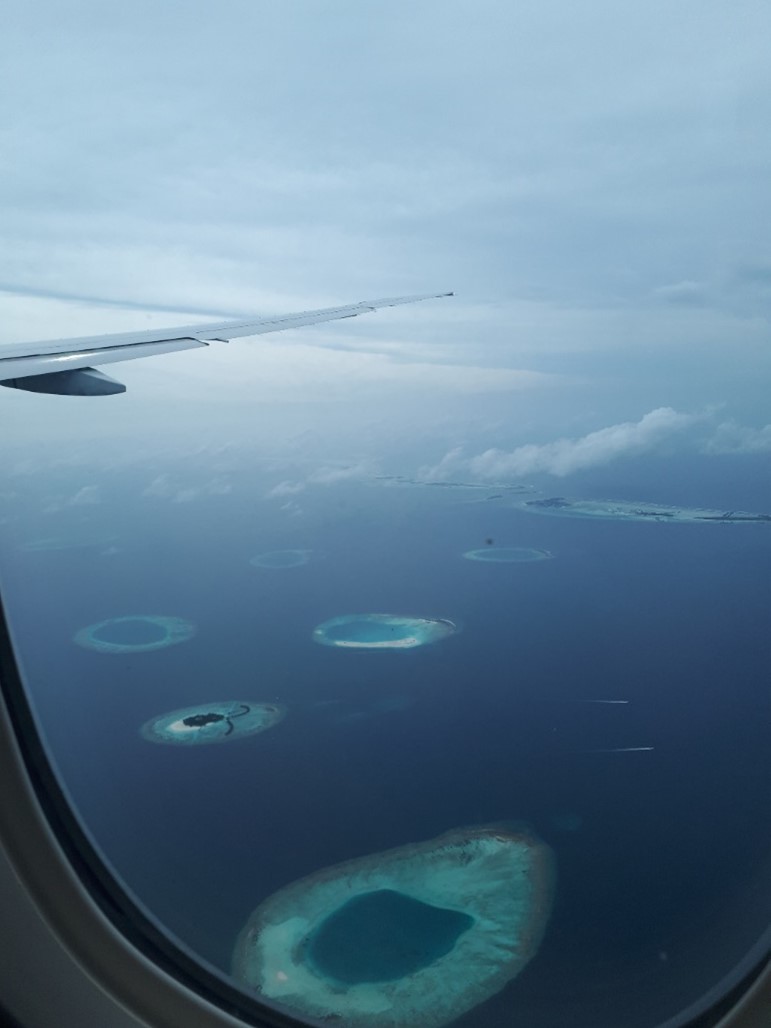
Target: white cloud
{"points": [[218, 487], [186, 495], [87, 495], [687, 293], [564, 456], [730, 437], [160, 486], [165, 488], [285, 489], [330, 475], [452, 462], [291, 509]]}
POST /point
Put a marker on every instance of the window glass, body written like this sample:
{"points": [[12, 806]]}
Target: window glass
{"points": [[412, 667]]}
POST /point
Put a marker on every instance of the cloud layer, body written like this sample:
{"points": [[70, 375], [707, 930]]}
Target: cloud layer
{"points": [[731, 437], [565, 456], [167, 488], [588, 179]]}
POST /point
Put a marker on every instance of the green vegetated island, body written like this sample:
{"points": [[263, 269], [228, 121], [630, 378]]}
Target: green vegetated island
{"points": [[216, 722], [416, 935]]}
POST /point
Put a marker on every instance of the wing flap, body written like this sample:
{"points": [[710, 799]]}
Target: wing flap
{"points": [[71, 359]]}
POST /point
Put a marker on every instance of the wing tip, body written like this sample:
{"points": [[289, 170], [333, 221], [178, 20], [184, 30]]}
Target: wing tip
{"points": [[394, 301]]}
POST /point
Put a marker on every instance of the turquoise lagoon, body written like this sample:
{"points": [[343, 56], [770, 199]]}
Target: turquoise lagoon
{"points": [[416, 935], [382, 631]]}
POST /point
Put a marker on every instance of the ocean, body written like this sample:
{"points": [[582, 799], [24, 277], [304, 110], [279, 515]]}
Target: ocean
{"points": [[656, 808]]}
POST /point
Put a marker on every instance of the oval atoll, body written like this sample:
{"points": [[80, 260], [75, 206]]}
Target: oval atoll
{"points": [[508, 555], [382, 631], [281, 558], [212, 722], [134, 633], [416, 935]]}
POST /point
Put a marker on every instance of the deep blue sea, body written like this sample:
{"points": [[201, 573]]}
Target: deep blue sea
{"points": [[663, 855]]}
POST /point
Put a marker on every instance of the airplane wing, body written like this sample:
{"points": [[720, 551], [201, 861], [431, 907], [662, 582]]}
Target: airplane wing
{"points": [[67, 365]]}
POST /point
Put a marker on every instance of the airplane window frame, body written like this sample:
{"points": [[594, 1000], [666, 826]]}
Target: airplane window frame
{"points": [[131, 957], [50, 851]]}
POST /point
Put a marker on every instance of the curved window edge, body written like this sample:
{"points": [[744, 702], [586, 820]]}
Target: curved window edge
{"points": [[752, 1006], [102, 929], [129, 958]]}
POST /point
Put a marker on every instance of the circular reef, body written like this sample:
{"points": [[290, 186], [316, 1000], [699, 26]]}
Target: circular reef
{"points": [[281, 558], [382, 631], [134, 633], [416, 935], [212, 722], [507, 555]]}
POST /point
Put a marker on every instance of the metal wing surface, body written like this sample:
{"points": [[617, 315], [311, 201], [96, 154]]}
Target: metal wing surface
{"points": [[67, 365]]}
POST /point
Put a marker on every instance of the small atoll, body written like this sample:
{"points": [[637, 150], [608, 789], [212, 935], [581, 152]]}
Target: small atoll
{"points": [[212, 722], [508, 555], [281, 559], [134, 633], [382, 631]]}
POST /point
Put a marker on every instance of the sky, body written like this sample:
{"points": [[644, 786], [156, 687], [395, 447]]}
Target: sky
{"points": [[592, 180]]}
